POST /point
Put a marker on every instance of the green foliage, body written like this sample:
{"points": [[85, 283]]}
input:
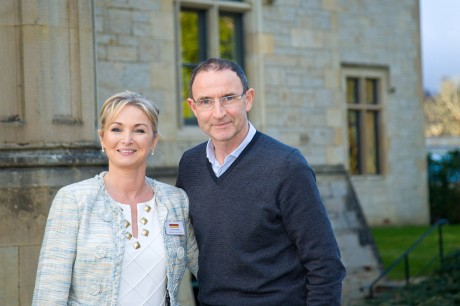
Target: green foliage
{"points": [[441, 289], [190, 36], [444, 186]]}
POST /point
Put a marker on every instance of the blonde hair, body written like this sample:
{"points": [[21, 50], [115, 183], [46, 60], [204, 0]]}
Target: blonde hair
{"points": [[113, 105]]}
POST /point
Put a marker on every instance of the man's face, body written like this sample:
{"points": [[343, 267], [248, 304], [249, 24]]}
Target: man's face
{"points": [[226, 126]]}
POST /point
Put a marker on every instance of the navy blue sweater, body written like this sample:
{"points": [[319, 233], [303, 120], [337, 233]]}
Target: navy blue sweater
{"points": [[262, 231]]}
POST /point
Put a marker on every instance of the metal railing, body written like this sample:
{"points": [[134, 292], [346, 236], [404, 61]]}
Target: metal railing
{"points": [[405, 255]]}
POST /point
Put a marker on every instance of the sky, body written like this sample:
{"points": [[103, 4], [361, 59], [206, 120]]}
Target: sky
{"points": [[440, 25]]}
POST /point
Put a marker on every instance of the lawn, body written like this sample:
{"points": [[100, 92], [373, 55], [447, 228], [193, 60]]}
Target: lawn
{"points": [[392, 242]]}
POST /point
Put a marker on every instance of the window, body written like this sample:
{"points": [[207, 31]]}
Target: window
{"points": [[364, 114], [207, 29]]}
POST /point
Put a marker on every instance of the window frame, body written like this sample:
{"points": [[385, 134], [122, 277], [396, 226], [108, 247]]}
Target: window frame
{"points": [[213, 11], [362, 108]]}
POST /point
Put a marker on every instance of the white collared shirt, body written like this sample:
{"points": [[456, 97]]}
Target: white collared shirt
{"points": [[216, 166]]}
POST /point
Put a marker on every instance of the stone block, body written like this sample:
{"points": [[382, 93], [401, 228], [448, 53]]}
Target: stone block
{"points": [[23, 215], [306, 38], [121, 53], [149, 50], [118, 21], [143, 29], [336, 155], [28, 261], [162, 75], [264, 44], [162, 25], [9, 291]]}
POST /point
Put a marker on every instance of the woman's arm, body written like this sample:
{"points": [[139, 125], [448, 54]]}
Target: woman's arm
{"points": [[58, 251], [192, 247]]}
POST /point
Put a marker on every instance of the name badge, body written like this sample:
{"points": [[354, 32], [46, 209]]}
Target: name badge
{"points": [[175, 228]]}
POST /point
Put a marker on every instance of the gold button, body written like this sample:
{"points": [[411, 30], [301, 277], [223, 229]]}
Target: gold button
{"points": [[144, 221], [145, 232], [128, 235], [127, 224], [147, 208], [136, 245]]}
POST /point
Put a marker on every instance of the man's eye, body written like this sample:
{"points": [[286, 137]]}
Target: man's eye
{"points": [[206, 101], [228, 98]]}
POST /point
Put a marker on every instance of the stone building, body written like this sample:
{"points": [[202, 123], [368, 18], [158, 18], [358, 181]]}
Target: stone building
{"points": [[339, 79]]}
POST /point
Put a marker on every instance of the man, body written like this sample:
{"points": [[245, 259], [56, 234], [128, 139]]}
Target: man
{"points": [[262, 231]]}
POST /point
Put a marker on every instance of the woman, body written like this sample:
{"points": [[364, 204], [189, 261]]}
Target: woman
{"points": [[119, 238]]}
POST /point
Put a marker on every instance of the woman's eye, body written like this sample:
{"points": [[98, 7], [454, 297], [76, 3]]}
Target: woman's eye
{"points": [[116, 130], [140, 131]]}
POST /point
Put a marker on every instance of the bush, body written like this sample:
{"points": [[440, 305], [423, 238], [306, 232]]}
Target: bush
{"points": [[444, 186]]}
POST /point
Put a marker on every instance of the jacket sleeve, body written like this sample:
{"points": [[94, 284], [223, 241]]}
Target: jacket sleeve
{"points": [[58, 251], [309, 227], [192, 247]]}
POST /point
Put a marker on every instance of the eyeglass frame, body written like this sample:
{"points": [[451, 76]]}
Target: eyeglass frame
{"points": [[221, 100]]}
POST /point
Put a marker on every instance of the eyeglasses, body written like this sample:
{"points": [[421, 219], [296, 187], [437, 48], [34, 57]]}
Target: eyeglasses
{"points": [[225, 102]]}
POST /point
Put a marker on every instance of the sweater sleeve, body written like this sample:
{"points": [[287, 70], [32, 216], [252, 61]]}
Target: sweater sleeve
{"points": [[308, 226], [58, 251], [179, 182]]}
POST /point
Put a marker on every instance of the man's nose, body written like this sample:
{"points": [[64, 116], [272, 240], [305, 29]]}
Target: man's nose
{"points": [[218, 110]]}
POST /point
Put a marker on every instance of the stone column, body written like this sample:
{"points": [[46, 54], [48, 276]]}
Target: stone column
{"points": [[47, 122]]}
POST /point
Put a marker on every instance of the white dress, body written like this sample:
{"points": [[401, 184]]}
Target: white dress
{"points": [[143, 276]]}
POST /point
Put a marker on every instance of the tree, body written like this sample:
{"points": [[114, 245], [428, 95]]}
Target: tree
{"points": [[442, 111]]}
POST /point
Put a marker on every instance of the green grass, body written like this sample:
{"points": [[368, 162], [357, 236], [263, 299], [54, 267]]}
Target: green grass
{"points": [[392, 242]]}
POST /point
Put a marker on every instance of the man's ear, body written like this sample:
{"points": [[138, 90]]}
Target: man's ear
{"points": [[192, 105], [249, 98]]}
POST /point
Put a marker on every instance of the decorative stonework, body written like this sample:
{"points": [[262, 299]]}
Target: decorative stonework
{"points": [[48, 96]]}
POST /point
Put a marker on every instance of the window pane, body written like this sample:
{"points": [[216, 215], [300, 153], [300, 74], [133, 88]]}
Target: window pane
{"points": [[352, 90], [190, 39], [194, 50], [371, 131], [354, 142], [371, 91], [230, 37], [187, 114]]}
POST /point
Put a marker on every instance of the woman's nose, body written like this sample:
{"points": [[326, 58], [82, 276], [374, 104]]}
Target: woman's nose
{"points": [[127, 137]]}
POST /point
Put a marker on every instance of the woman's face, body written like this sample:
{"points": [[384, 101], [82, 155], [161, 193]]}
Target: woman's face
{"points": [[128, 139]]}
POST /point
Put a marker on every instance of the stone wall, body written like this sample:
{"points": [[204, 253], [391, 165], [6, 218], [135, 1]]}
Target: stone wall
{"points": [[375, 34]]}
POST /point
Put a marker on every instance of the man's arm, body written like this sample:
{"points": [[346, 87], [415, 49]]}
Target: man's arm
{"points": [[309, 227]]}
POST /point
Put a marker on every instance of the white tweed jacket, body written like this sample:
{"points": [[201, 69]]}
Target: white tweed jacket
{"points": [[82, 251]]}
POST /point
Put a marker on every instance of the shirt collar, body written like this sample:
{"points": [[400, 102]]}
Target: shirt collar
{"points": [[235, 153]]}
